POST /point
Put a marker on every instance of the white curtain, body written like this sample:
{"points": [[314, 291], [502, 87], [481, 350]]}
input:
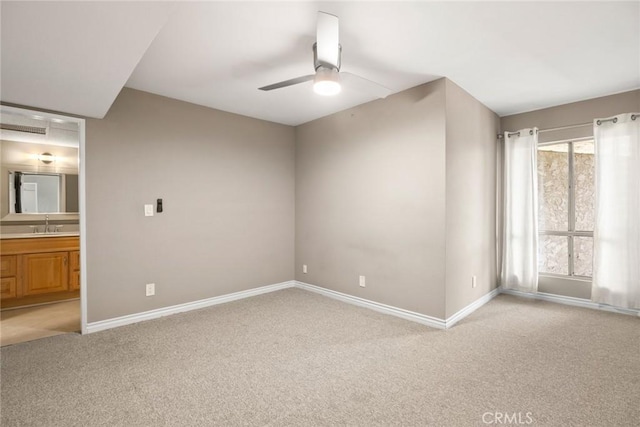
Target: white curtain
{"points": [[616, 263], [520, 192]]}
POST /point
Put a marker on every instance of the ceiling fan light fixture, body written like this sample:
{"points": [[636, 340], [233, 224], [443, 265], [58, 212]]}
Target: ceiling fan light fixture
{"points": [[327, 82]]}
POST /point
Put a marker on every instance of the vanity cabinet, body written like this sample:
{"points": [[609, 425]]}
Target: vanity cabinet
{"points": [[37, 270]]}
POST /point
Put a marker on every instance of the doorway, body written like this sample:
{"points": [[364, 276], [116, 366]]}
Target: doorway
{"points": [[42, 225]]}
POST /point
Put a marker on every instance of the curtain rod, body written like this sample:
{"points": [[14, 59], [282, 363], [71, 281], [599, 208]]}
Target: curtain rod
{"points": [[599, 122], [566, 127], [554, 129]]}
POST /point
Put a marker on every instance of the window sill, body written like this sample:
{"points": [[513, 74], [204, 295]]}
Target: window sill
{"points": [[576, 287], [563, 276]]}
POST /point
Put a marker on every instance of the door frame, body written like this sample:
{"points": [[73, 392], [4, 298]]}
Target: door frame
{"points": [[82, 185]]}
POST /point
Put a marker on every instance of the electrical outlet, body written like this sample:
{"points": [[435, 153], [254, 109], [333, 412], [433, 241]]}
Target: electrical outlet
{"points": [[151, 289], [304, 268], [473, 281], [363, 282]]}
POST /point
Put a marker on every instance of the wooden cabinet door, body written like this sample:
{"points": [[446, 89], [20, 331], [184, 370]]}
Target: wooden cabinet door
{"points": [[46, 272]]}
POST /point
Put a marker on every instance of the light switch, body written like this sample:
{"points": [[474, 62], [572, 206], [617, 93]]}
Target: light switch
{"points": [[148, 210]]}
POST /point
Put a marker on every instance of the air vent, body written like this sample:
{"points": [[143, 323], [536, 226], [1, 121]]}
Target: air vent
{"points": [[24, 129]]}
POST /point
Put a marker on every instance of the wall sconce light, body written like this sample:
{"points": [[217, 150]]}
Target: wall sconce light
{"points": [[47, 158]]}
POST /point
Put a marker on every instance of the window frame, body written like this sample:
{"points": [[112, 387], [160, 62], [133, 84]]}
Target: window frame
{"points": [[571, 212]]}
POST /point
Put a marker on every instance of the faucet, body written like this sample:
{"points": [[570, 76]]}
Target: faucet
{"points": [[46, 223]]}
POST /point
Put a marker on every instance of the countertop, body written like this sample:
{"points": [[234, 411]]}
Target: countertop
{"points": [[38, 235]]}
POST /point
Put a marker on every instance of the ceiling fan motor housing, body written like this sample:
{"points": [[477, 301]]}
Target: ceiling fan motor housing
{"points": [[321, 64]]}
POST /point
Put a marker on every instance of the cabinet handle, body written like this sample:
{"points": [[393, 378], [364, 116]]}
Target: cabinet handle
{"points": [[65, 260]]}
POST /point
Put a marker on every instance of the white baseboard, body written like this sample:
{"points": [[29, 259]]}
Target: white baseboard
{"points": [[433, 322], [461, 314], [576, 302], [180, 308], [399, 312], [382, 308]]}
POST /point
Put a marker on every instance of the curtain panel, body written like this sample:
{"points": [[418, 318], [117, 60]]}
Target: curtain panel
{"points": [[520, 211], [616, 263]]}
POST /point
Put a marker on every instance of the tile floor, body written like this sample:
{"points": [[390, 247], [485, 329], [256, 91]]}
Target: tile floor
{"points": [[30, 323]]}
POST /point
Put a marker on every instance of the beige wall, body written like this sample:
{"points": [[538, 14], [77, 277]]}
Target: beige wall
{"points": [[227, 183], [402, 191], [470, 198], [382, 190], [370, 192], [567, 115]]}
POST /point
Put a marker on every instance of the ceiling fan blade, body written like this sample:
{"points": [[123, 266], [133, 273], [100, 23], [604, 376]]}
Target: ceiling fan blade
{"points": [[289, 82], [328, 43], [364, 85]]}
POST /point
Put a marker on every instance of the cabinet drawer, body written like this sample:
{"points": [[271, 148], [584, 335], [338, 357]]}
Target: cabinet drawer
{"points": [[74, 260], [8, 265]]}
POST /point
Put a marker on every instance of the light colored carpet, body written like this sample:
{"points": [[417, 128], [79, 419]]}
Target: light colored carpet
{"points": [[296, 358]]}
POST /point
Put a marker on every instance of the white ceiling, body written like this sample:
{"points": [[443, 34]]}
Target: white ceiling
{"points": [[512, 56], [73, 57]]}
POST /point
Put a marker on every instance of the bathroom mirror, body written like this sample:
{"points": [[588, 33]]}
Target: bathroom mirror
{"points": [[41, 192]]}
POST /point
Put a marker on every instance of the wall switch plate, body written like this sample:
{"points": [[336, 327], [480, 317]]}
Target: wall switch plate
{"points": [[363, 282], [304, 268], [473, 281], [151, 289], [148, 210]]}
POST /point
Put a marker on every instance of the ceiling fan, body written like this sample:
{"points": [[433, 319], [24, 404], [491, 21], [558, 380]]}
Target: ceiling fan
{"points": [[327, 52]]}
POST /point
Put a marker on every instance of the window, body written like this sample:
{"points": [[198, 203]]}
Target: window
{"points": [[566, 196]]}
